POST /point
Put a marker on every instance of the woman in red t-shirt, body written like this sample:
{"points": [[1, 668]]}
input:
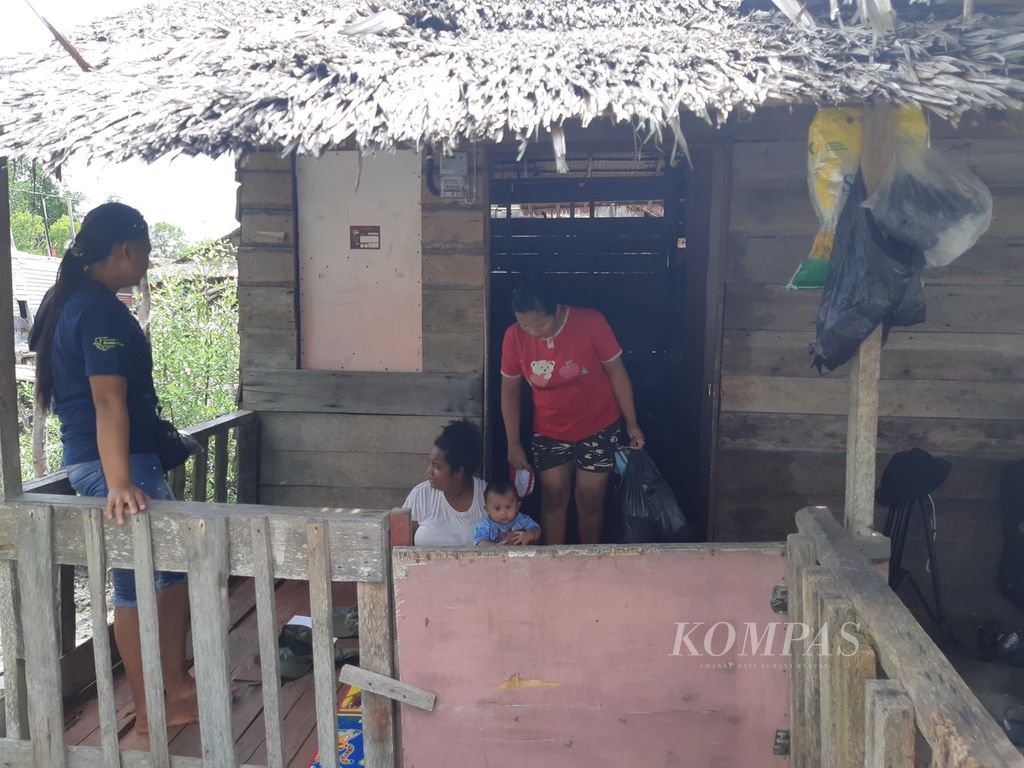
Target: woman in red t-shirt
{"points": [[583, 401]]}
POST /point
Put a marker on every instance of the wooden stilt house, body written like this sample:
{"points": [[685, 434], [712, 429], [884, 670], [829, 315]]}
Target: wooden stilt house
{"points": [[402, 165]]}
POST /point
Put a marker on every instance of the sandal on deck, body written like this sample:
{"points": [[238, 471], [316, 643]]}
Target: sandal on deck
{"points": [[346, 622], [295, 645]]}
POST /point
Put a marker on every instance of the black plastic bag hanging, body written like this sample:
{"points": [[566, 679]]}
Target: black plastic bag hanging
{"points": [[931, 203], [650, 511], [873, 279]]}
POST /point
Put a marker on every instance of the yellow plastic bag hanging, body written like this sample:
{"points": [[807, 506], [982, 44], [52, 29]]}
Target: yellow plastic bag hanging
{"points": [[912, 125], [833, 157]]}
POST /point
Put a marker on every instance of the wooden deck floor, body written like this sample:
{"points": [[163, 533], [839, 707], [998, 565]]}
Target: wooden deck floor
{"points": [[81, 724], [996, 684]]}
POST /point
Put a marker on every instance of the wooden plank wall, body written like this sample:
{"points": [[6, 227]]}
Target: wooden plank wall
{"points": [[267, 277], [952, 386], [455, 274], [355, 439]]}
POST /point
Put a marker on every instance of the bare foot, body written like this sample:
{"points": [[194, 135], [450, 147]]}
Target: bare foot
{"points": [[183, 688], [181, 711], [188, 688]]}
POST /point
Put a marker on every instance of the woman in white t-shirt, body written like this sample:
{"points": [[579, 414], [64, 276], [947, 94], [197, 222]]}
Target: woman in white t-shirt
{"points": [[447, 505]]}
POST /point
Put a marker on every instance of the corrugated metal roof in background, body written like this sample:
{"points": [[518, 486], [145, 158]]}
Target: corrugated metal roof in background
{"points": [[33, 276]]}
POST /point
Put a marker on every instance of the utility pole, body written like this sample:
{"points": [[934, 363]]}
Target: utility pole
{"points": [[46, 226]]}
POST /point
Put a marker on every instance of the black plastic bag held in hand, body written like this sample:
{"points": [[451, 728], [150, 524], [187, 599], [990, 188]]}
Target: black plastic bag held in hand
{"points": [[873, 279], [174, 447], [649, 508]]}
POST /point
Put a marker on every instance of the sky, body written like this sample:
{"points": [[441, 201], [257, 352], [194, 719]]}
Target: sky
{"points": [[197, 194]]}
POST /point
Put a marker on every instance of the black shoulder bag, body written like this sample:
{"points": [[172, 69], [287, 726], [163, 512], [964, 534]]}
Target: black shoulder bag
{"points": [[172, 446]]}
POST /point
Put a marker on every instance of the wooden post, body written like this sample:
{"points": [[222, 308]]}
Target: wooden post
{"points": [[400, 534], [855, 665], [12, 637], [834, 611], [39, 418], [46, 226], [247, 452], [68, 616], [376, 646], [325, 690], [149, 636], [10, 451], [815, 581], [889, 726], [266, 618], [400, 528], [15, 699], [800, 554], [96, 556], [220, 467], [208, 596], [862, 436], [200, 467], [35, 574], [865, 371]]}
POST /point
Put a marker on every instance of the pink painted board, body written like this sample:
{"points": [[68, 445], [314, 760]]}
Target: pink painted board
{"points": [[361, 307], [589, 635]]}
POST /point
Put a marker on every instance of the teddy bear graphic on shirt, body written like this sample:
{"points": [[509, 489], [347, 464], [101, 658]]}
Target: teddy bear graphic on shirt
{"points": [[542, 371]]}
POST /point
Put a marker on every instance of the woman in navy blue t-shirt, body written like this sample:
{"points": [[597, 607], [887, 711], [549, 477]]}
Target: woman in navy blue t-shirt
{"points": [[94, 367]]}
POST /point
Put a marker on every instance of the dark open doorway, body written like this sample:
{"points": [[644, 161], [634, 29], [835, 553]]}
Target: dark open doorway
{"points": [[611, 234]]}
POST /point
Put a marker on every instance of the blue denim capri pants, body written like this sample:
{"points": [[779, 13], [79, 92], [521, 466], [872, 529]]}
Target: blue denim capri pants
{"points": [[88, 480]]}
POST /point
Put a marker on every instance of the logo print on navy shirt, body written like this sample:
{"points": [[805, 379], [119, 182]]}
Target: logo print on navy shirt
{"points": [[105, 343]]}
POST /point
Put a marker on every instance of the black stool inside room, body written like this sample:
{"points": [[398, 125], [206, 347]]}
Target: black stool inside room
{"points": [[908, 481]]}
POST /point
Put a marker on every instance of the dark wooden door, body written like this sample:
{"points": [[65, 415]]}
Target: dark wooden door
{"points": [[616, 244]]}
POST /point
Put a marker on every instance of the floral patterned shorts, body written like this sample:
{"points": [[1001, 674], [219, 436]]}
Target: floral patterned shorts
{"points": [[595, 453]]}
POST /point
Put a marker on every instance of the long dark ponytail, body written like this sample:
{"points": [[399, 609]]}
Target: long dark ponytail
{"points": [[103, 227]]}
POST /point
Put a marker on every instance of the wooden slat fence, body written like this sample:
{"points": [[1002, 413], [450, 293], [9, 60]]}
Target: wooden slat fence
{"points": [[865, 677], [210, 542], [236, 440], [44, 529]]}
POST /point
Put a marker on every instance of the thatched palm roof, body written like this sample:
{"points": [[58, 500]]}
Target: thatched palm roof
{"points": [[210, 77]]}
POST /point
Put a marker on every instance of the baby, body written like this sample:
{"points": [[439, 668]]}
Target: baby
{"points": [[504, 523]]}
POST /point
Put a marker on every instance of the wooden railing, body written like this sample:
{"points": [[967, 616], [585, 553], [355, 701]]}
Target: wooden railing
{"points": [[243, 426], [867, 679], [210, 542], [239, 431], [246, 428]]}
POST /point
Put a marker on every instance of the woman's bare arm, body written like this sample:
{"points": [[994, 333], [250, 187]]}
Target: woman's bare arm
{"points": [[110, 398], [623, 389], [511, 413]]}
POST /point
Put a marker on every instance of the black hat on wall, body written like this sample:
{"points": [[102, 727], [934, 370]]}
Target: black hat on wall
{"points": [[909, 476]]}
